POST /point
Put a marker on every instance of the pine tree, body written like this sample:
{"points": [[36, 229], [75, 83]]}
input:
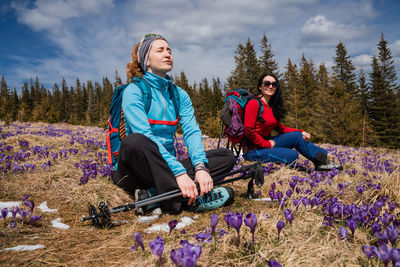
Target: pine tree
{"points": [[26, 108], [4, 100], [246, 72], [307, 92], [383, 109], [15, 105], [290, 88], [91, 105], [117, 79], [65, 101], [268, 64], [344, 68]]}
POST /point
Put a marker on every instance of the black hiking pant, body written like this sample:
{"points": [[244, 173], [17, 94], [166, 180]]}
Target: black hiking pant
{"points": [[140, 165]]}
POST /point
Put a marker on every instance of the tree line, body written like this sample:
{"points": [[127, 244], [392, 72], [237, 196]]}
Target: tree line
{"points": [[341, 106]]}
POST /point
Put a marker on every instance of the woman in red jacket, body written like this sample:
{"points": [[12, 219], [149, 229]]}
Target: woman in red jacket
{"points": [[261, 146]]}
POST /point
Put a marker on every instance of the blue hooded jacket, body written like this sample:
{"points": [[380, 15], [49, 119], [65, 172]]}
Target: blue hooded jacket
{"points": [[160, 124]]}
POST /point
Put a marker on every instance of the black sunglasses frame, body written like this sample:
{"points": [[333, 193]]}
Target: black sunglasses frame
{"points": [[268, 84]]}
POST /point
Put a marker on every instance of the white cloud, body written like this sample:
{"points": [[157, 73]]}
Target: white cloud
{"points": [[50, 14], [395, 48], [362, 61], [94, 37], [319, 31]]}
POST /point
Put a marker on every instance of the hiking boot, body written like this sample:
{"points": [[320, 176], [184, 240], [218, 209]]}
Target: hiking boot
{"points": [[216, 198], [141, 194], [328, 165]]}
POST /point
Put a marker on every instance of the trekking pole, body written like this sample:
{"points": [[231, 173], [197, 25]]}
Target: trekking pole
{"points": [[103, 217]]}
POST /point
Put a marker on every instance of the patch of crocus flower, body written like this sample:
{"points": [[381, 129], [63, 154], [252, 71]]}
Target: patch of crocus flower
{"points": [[280, 225], [251, 222], [138, 240], [187, 255], [22, 212], [235, 221], [157, 247], [172, 224]]}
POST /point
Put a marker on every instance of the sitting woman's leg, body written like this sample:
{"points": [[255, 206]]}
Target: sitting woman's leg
{"points": [[220, 162], [140, 165], [295, 140], [276, 154]]}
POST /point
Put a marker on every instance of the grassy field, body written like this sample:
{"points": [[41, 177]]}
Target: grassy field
{"points": [[66, 166]]}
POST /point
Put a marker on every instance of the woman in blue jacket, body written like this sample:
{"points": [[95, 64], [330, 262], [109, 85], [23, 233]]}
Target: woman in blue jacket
{"points": [[146, 159]]}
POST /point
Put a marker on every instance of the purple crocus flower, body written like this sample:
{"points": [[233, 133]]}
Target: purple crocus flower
{"points": [[183, 231], [24, 213], [384, 254], [305, 201], [227, 217], [274, 263], [172, 224], [13, 223], [394, 256], [236, 222], [203, 237], [296, 202], [139, 241], [279, 225], [4, 213], [288, 215], [375, 227], [35, 218], [157, 247], [30, 204], [189, 253], [26, 196], [214, 222], [392, 234], [370, 251], [175, 257], [342, 232], [14, 212], [251, 222], [352, 224]]}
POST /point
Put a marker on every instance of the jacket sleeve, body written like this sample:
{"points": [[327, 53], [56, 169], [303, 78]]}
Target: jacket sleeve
{"points": [[137, 120], [191, 130], [250, 120]]}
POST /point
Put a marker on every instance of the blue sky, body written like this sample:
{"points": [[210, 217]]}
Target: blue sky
{"points": [[91, 39]]}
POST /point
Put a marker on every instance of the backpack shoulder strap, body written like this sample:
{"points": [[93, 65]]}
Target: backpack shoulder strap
{"points": [[145, 88]]}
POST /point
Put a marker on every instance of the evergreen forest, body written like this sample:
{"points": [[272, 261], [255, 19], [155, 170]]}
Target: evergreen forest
{"points": [[339, 106]]}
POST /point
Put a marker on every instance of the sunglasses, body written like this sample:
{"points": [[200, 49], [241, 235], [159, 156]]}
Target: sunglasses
{"points": [[268, 83]]}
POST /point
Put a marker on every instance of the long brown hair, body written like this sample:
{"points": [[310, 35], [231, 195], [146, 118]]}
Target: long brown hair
{"points": [[133, 68]]}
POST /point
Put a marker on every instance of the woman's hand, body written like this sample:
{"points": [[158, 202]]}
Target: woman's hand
{"points": [[306, 136], [205, 181], [272, 143], [188, 188]]}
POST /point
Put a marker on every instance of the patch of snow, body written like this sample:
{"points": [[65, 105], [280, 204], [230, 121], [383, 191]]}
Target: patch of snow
{"points": [[58, 224], [43, 207], [34, 237], [263, 199], [9, 204], [147, 219], [185, 221], [24, 248]]}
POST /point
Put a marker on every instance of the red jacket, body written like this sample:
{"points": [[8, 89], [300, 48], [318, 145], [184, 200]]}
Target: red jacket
{"points": [[256, 131]]}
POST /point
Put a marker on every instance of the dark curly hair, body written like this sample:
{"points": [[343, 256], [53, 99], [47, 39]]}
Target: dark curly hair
{"points": [[276, 101]]}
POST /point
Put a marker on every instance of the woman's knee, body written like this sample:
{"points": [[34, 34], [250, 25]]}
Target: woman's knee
{"points": [[222, 156]]}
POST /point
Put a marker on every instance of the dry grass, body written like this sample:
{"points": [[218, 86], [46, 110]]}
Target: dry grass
{"points": [[305, 243]]}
